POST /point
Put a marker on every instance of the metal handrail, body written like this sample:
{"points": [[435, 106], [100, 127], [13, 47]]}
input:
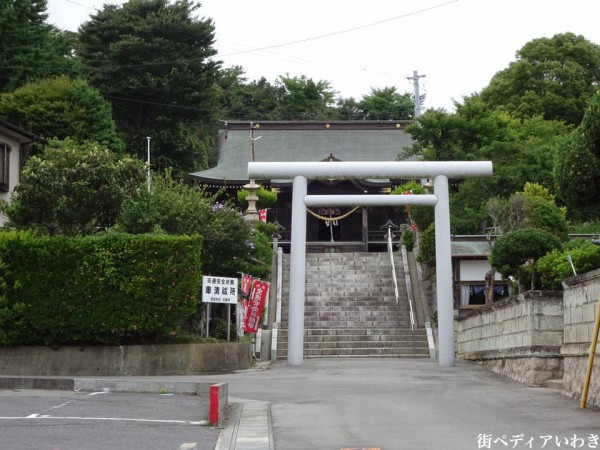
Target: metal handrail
{"points": [[395, 279]]}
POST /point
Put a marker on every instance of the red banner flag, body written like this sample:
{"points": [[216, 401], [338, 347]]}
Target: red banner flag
{"points": [[262, 215], [256, 304], [246, 284]]}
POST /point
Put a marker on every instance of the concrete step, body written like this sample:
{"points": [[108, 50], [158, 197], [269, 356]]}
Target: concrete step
{"points": [[351, 309], [311, 353], [556, 385], [364, 344], [420, 333]]}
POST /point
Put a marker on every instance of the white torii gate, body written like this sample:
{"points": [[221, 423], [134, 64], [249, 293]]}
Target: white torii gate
{"points": [[300, 172]]}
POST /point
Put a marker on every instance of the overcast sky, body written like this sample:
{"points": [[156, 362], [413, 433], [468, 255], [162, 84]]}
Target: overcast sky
{"points": [[357, 45]]}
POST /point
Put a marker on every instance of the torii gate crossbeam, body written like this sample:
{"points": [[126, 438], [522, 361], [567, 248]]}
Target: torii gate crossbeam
{"points": [[440, 171]]}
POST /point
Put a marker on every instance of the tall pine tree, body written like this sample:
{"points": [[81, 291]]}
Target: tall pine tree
{"points": [[152, 60], [31, 49]]}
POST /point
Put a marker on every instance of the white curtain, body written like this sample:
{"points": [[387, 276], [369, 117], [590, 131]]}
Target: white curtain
{"points": [[465, 293]]}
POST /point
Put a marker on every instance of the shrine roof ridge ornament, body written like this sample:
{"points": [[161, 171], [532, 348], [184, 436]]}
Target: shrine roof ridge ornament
{"points": [[369, 169]]}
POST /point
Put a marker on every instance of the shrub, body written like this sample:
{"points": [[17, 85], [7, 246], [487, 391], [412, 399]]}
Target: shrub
{"points": [[408, 239], [427, 245], [109, 289], [175, 208], [512, 250], [266, 197], [554, 267]]}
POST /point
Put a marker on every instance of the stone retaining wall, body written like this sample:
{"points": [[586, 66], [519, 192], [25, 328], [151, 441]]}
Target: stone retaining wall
{"points": [[581, 295], [126, 360], [519, 337]]}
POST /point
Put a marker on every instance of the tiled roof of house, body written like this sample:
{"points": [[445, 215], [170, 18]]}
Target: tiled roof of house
{"points": [[470, 248], [18, 132], [304, 141]]}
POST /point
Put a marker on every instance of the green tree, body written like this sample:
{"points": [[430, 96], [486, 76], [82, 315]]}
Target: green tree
{"points": [[173, 207], [521, 151], [552, 77], [73, 189], [516, 248], [31, 49], [535, 208], [302, 98], [61, 108], [243, 100], [152, 60], [577, 166], [346, 109], [386, 104]]}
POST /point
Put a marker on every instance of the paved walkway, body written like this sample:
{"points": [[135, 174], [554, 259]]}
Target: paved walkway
{"points": [[398, 404]]}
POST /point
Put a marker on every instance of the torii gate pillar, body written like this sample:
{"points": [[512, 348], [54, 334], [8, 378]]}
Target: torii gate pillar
{"points": [[297, 274], [440, 171]]}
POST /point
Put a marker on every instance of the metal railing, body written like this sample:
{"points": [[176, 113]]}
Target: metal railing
{"points": [[395, 279]]}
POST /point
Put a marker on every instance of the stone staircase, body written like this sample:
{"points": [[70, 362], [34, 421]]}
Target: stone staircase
{"points": [[351, 310]]}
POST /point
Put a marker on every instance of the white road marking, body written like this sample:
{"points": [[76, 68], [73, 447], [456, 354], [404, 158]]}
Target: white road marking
{"points": [[114, 419]]}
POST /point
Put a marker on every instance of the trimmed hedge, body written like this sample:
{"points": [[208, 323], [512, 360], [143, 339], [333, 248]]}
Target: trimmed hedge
{"points": [[109, 289]]}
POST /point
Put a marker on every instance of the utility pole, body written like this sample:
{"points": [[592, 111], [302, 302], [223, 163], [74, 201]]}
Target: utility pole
{"points": [[148, 163], [415, 80]]}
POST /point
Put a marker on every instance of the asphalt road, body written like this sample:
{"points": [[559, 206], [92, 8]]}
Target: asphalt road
{"points": [[62, 420], [395, 404], [330, 404]]}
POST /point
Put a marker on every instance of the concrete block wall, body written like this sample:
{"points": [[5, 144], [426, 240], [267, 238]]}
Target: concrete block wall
{"points": [[520, 337], [581, 295], [125, 360]]}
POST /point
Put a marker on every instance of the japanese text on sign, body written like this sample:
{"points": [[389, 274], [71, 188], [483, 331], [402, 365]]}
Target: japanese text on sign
{"points": [[219, 290]]}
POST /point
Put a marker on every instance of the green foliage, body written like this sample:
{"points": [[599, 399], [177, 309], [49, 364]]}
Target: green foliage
{"points": [[515, 248], [427, 245], [61, 108], [303, 98], [73, 189], [109, 289], [532, 208], [173, 207], [266, 197], [346, 109], [408, 239], [554, 267], [242, 100], [386, 104], [592, 227], [422, 216], [552, 77], [577, 168], [31, 49], [152, 59], [521, 150], [412, 186], [268, 229], [544, 215]]}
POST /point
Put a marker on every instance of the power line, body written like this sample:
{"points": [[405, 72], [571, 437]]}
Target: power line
{"points": [[348, 30], [286, 44]]}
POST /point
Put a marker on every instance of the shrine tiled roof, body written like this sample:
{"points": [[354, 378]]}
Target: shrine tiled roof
{"points": [[303, 141]]}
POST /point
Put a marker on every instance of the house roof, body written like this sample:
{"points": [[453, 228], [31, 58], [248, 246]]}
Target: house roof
{"points": [[474, 248], [16, 132], [303, 141]]}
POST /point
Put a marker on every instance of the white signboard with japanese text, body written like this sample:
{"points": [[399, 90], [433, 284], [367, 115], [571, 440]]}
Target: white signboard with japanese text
{"points": [[219, 290]]}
